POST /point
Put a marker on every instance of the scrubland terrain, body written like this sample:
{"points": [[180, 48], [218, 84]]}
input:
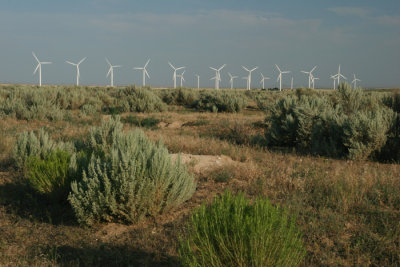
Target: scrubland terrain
{"points": [[329, 158]]}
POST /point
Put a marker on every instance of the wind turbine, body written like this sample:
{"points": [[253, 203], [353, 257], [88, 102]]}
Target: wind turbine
{"points": [[111, 72], [339, 75], [334, 77], [291, 84], [355, 81], [313, 81], [217, 75], [198, 81], [39, 67], [249, 76], [263, 79], [231, 79], [280, 76], [175, 69], [144, 72], [78, 75], [309, 75], [182, 79]]}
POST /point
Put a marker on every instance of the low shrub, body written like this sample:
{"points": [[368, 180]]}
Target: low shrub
{"points": [[29, 144], [234, 232], [133, 178], [220, 101], [50, 176], [180, 96], [140, 100]]}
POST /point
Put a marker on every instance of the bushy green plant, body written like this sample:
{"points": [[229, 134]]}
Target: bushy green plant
{"points": [[140, 100], [180, 96], [31, 145], [50, 176], [221, 101], [132, 179], [234, 232], [366, 132]]}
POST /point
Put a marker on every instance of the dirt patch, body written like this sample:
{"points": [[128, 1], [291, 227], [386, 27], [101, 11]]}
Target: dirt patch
{"points": [[204, 163], [172, 125]]}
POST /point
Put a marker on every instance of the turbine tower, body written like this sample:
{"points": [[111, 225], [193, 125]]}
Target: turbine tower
{"points": [[78, 75], [291, 84], [175, 69], [334, 78], [280, 77], [182, 79], [313, 81], [39, 67], [144, 72], [355, 81], [249, 76], [309, 75], [198, 81], [217, 75], [338, 76], [231, 79], [263, 79], [111, 72]]}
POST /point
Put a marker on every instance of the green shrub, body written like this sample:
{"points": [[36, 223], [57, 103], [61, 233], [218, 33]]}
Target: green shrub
{"points": [[134, 178], [140, 100], [180, 96], [221, 101], [30, 145], [366, 132], [233, 232], [50, 176]]}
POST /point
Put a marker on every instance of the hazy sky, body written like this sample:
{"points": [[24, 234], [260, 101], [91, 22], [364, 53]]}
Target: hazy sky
{"points": [[361, 35]]}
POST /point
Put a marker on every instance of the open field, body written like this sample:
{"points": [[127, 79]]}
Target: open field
{"points": [[347, 203]]}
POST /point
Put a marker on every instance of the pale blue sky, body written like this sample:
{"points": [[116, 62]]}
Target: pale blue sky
{"points": [[363, 36]]}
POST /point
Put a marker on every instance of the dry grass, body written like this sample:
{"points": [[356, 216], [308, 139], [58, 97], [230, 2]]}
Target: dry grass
{"points": [[349, 211]]}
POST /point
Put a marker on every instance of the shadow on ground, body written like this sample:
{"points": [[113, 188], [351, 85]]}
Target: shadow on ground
{"points": [[19, 199], [106, 255]]}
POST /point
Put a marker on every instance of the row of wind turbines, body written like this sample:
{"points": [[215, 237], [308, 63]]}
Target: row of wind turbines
{"points": [[311, 78]]}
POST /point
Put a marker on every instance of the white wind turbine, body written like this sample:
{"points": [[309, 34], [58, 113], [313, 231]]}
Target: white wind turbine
{"points": [[313, 81], [280, 77], [249, 76], [144, 72], [78, 75], [39, 67], [175, 69], [355, 81], [198, 81], [217, 75], [338, 76], [263, 79], [309, 75], [334, 78], [182, 79], [291, 84], [231, 79], [111, 72]]}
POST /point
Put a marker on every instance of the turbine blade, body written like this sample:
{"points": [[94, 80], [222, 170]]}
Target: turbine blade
{"points": [[254, 69], [213, 68], [313, 69], [45, 63], [145, 71], [109, 71], [34, 55], [172, 66], [108, 62], [278, 68], [69, 62], [146, 63], [245, 68], [37, 67], [83, 59]]}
